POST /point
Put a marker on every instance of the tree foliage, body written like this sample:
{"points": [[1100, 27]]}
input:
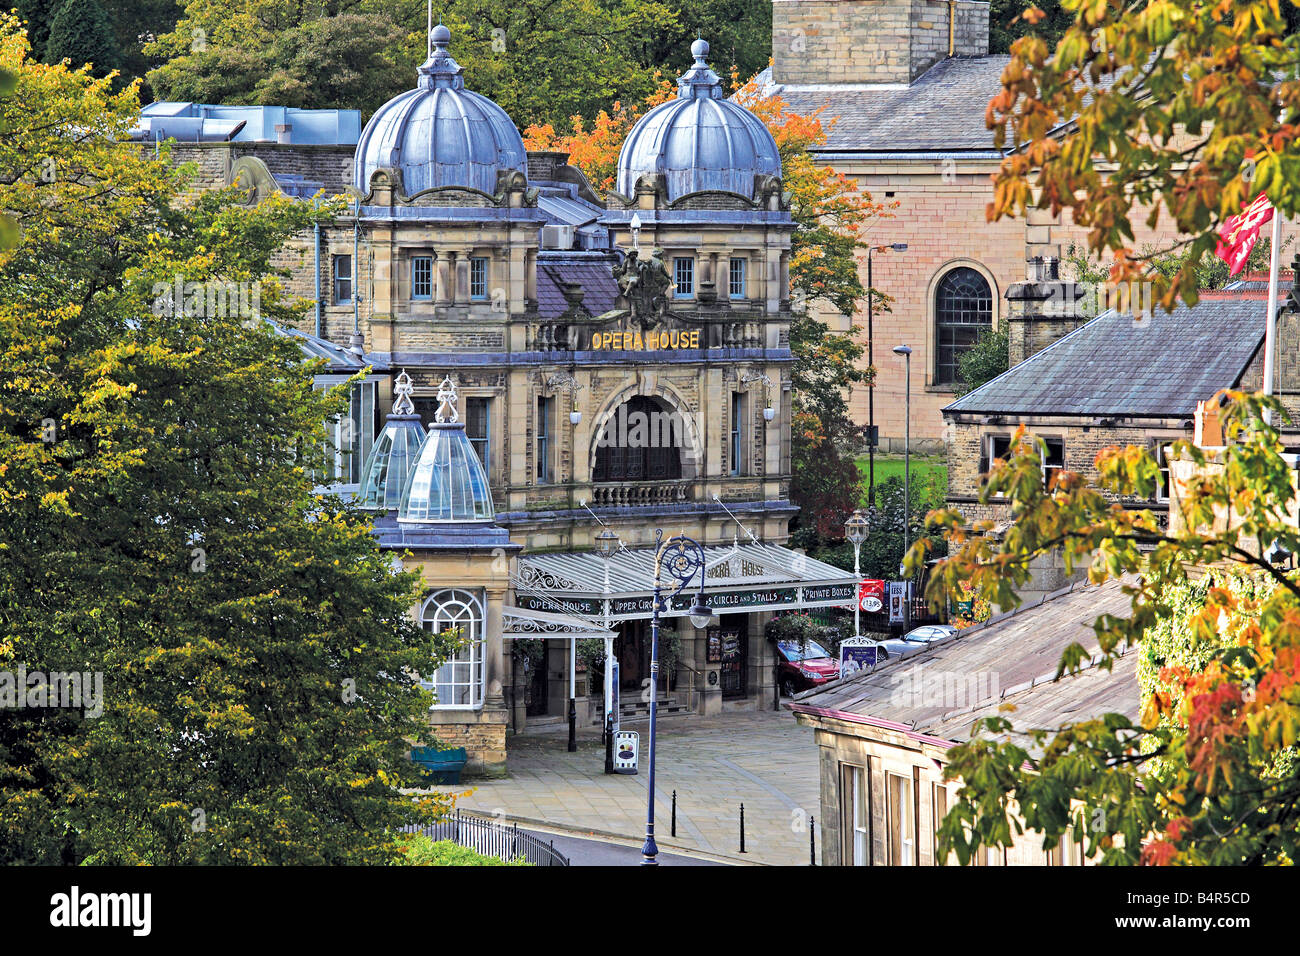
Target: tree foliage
{"points": [[1170, 112], [80, 33], [1206, 775], [158, 526], [985, 360]]}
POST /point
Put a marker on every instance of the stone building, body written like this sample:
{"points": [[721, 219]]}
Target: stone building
{"points": [[619, 364], [883, 737], [907, 84]]}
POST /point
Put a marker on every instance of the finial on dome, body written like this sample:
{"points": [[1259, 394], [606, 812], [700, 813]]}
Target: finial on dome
{"points": [[446, 413], [699, 82], [402, 386], [440, 69], [700, 50], [441, 36]]}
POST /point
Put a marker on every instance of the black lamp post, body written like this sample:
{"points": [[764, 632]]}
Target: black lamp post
{"points": [[682, 558], [871, 392], [607, 544], [906, 352]]}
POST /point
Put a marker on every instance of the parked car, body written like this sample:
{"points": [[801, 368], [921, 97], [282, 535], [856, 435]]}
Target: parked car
{"points": [[916, 639], [801, 667]]}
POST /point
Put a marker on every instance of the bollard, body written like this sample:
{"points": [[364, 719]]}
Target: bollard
{"points": [[812, 840], [742, 828], [674, 830]]}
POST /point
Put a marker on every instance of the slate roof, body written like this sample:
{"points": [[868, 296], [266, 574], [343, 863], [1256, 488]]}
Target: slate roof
{"points": [[1017, 653], [1159, 367], [590, 270], [942, 110]]}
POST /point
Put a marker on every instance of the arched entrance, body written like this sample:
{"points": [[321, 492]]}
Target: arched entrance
{"points": [[641, 441]]}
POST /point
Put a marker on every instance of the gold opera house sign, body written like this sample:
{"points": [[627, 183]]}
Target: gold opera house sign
{"points": [[650, 341]]}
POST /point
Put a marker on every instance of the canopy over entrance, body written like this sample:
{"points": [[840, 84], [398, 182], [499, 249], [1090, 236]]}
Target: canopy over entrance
{"points": [[518, 622], [738, 578]]}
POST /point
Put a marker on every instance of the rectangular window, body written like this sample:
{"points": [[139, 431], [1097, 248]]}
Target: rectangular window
{"points": [[342, 280], [1158, 447], [940, 811], [737, 433], [545, 410], [684, 277], [1053, 459], [995, 446], [853, 814], [478, 426], [478, 278], [736, 278], [351, 435], [422, 277], [902, 849]]}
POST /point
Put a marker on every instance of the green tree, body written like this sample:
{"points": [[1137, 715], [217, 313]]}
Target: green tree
{"points": [[1206, 776], [984, 361], [82, 34], [158, 526]]}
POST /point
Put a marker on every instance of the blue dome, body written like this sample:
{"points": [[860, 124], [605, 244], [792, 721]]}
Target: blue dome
{"points": [[448, 482], [699, 141], [440, 134]]}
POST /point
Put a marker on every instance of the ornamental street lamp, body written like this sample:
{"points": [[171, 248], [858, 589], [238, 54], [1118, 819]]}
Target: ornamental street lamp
{"points": [[871, 392], [607, 544], [906, 352], [856, 530], [682, 558]]}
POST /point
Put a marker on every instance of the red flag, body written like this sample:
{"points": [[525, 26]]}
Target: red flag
{"points": [[1238, 234]]}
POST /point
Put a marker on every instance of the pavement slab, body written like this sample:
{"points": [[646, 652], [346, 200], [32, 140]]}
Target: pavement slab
{"points": [[762, 759]]}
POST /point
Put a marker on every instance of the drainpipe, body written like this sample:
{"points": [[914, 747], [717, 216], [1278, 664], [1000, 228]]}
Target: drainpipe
{"points": [[357, 339], [320, 317], [952, 27]]}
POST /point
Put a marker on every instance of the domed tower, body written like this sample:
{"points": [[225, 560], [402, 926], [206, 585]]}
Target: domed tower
{"points": [[440, 134], [700, 142], [450, 225]]}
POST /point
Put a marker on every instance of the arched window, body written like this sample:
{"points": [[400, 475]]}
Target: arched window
{"points": [[642, 441], [458, 683], [963, 311]]}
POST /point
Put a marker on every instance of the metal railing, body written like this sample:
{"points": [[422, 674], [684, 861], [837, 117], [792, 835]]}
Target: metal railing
{"points": [[490, 838]]}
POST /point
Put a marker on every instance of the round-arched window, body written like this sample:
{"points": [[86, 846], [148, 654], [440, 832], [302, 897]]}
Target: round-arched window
{"points": [[458, 683], [963, 311], [642, 441]]}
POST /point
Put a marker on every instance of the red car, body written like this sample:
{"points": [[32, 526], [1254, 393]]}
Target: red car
{"points": [[802, 667]]}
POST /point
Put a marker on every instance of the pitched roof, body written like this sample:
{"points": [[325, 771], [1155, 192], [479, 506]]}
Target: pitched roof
{"points": [[940, 691], [590, 270], [1159, 366], [942, 110]]}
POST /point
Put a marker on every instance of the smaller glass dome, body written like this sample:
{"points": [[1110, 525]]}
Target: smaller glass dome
{"points": [[448, 483], [391, 460]]}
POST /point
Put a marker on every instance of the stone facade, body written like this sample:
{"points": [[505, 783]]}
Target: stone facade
{"points": [[825, 38]]}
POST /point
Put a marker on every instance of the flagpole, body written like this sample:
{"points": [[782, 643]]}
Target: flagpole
{"points": [[1270, 326]]}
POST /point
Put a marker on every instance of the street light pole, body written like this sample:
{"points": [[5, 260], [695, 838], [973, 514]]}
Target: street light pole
{"points": [[871, 361], [607, 544], [906, 352], [684, 558], [855, 529]]}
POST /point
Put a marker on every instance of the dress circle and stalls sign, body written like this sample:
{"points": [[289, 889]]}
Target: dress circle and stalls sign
{"points": [[871, 596]]}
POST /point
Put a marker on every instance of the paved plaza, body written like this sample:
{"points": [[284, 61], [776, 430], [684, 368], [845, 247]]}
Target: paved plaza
{"points": [[762, 759]]}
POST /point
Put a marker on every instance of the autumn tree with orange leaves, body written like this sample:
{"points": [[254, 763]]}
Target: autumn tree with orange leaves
{"points": [[831, 215], [1160, 110]]}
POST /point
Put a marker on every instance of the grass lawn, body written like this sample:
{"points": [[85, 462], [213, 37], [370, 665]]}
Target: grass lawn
{"points": [[933, 467]]}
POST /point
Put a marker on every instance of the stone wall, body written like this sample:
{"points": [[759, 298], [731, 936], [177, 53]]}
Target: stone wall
{"points": [[871, 41]]}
